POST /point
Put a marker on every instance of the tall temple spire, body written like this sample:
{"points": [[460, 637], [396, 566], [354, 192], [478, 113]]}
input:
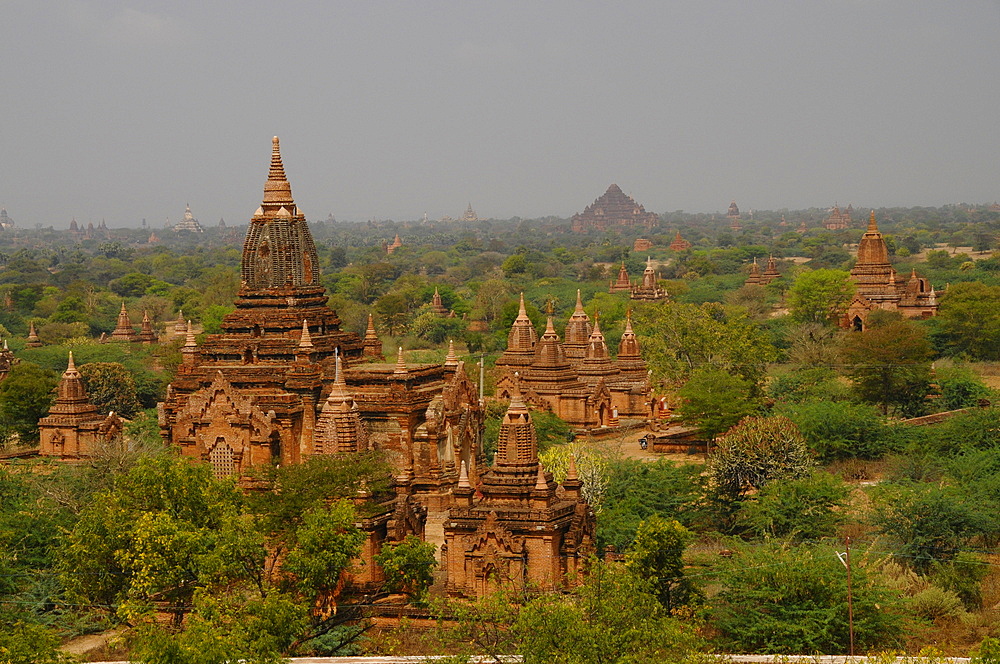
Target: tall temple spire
{"points": [[872, 225], [277, 190], [372, 345]]}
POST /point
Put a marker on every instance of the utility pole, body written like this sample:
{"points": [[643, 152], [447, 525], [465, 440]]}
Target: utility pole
{"points": [[850, 599]]}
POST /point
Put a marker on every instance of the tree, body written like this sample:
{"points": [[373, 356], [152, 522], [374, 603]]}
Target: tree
{"points": [[656, 555], [805, 508], [408, 566], [968, 321], [613, 617], [715, 400], [755, 452], [889, 364], [26, 395], [820, 296], [842, 430], [793, 599], [678, 339], [111, 387]]}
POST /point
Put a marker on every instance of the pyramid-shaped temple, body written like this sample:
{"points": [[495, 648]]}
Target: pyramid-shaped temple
{"points": [[613, 208]]}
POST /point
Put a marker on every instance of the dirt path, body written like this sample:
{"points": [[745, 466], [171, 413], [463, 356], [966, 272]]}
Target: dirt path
{"points": [[627, 445]]}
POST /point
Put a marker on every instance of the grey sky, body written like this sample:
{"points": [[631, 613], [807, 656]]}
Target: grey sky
{"points": [[124, 110]]}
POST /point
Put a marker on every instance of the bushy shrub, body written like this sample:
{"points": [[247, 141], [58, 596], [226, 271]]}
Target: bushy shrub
{"points": [[842, 430]]}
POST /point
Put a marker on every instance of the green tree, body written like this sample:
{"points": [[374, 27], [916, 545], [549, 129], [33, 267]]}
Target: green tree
{"points": [[111, 387], [755, 452], [613, 617], [889, 364], [840, 430], [26, 395], [678, 339], [806, 508], [656, 555], [779, 599], [715, 400], [820, 296], [408, 566], [968, 321]]}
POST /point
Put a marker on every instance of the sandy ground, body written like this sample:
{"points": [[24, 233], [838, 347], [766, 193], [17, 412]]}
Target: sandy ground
{"points": [[627, 445]]}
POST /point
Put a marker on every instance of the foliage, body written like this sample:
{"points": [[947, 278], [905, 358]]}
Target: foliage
{"points": [[808, 384], [961, 387], [968, 321], [890, 365], [755, 452], [805, 508], [840, 430], [637, 491], [613, 617], [408, 566], [110, 387], [715, 400], [678, 339], [930, 523], [778, 598], [656, 555], [820, 296], [591, 467], [25, 396], [27, 643]]}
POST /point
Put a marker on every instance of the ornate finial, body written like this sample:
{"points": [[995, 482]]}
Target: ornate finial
{"points": [[189, 342], [305, 341], [277, 190], [463, 477], [338, 377], [872, 226], [400, 364], [549, 308], [521, 311], [571, 472], [540, 483], [451, 359], [70, 366], [579, 301]]}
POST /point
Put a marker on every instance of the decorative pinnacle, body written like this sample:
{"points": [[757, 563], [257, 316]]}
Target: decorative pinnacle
{"points": [[452, 358], [70, 367], [189, 342], [521, 311], [400, 364], [276, 189], [872, 225], [463, 477], [306, 340], [571, 472], [540, 483], [579, 301]]}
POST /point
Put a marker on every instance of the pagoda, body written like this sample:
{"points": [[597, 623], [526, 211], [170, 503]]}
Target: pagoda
{"points": [[437, 306], [613, 209], [622, 284], [371, 346], [397, 242], [33, 340], [679, 243], [753, 279], [838, 220], [879, 286], [733, 214], [123, 328], [517, 529], [521, 341], [7, 360], [188, 223], [74, 428], [770, 272], [146, 335], [648, 290], [576, 336], [470, 214]]}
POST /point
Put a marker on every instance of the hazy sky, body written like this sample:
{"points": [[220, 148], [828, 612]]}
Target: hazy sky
{"points": [[124, 110]]}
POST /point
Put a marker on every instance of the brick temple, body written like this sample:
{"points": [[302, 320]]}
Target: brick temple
{"points": [[879, 286], [613, 209]]}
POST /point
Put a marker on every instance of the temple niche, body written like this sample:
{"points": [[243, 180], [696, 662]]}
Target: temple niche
{"points": [[74, 428], [517, 528], [282, 382], [576, 378], [613, 209], [879, 286]]}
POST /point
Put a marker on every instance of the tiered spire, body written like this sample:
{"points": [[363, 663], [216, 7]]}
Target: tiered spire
{"points": [[33, 340], [372, 345], [71, 396], [451, 360], [339, 428], [521, 341], [146, 333], [577, 332], [123, 328], [518, 443], [400, 362]]}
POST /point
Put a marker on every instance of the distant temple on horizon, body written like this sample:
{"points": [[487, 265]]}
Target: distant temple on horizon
{"points": [[613, 208], [839, 219], [188, 223]]}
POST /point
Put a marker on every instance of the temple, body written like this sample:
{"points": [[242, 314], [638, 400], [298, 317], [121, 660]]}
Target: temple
{"points": [[613, 209], [679, 243], [575, 379], [733, 215], [282, 382], [879, 286], [7, 360], [838, 220], [123, 327], [647, 289], [188, 223], [758, 278], [469, 214], [74, 428], [525, 531]]}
